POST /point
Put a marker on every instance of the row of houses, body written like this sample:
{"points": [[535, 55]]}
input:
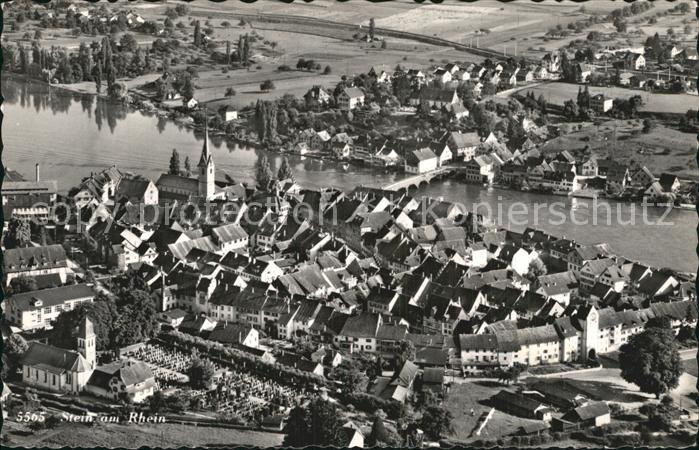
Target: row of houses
{"points": [[581, 335]]}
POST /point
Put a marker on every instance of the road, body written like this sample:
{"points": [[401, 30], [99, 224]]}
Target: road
{"points": [[689, 353]]}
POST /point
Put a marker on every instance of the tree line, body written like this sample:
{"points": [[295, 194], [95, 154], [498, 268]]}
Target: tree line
{"points": [[97, 62]]}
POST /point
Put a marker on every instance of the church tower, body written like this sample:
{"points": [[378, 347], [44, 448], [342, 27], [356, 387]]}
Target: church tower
{"points": [[207, 169], [87, 342], [590, 333]]}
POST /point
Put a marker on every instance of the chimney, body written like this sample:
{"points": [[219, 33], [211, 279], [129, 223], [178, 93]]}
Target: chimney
{"points": [[36, 168]]}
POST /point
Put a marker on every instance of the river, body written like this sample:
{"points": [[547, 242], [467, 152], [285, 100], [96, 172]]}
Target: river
{"points": [[72, 135]]}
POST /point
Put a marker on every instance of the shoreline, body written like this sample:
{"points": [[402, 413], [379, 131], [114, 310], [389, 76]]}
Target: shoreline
{"points": [[139, 102]]}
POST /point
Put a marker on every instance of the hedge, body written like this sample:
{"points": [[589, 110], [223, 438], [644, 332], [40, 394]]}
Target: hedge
{"points": [[370, 403]]}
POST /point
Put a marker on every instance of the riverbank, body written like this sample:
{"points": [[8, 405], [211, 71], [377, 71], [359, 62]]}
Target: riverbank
{"points": [[324, 159], [82, 134]]}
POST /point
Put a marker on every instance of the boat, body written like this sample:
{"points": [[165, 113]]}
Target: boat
{"points": [[584, 194]]}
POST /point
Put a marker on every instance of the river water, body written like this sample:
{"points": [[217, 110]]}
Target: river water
{"points": [[72, 135]]}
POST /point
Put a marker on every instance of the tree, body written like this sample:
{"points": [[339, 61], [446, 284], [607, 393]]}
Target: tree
{"points": [[402, 89], [406, 352], [383, 44], [483, 120], [187, 167], [15, 347], [118, 90], [436, 421], [489, 88], [317, 424], [350, 376], [620, 25], [541, 101], [424, 109], [651, 361], [567, 69], [570, 109], [648, 125], [267, 86], [23, 59], [372, 28], [683, 8], [137, 319], [182, 10], [285, 172], [659, 417], [174, 163], [128, 43], [265, 120], [536, 269], [103, 314], [328, 70], [22, 284], [200, 373], [514, 372], [263, 173], [108, 63], [18, 234], [157, 402], [230, 92], [516, 135], [380, 436], [197, 34], [584, 98], [187, 89]]}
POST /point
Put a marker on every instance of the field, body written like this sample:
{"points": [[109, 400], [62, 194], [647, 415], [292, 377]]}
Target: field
{"points": [[462, 397], [277, 44], [599, 385], [520, 23], [344, 57], [557, 93], [136, 436], [607, 385], [662, 149], [457, 22]]}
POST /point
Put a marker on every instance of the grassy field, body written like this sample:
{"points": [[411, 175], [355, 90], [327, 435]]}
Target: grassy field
{"points": [[601, 385], [462, 397], [136, 436], [557, 93], [662, 149], [518, 22]]}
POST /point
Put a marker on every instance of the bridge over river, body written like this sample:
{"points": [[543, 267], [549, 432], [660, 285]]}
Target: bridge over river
{"points": [[421, 179]]}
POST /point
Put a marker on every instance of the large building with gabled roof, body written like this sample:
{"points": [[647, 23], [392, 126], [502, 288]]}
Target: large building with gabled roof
{"points": [[179, 187], [60, 370]]}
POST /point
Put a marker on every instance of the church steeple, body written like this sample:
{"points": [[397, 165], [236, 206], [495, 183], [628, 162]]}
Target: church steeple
{"points": [[205, 155], [206, 166], [87, 342]]}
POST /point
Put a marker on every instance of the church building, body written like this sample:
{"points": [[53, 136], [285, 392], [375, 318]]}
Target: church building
{"points": [[60, 370], [184, 188]]}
